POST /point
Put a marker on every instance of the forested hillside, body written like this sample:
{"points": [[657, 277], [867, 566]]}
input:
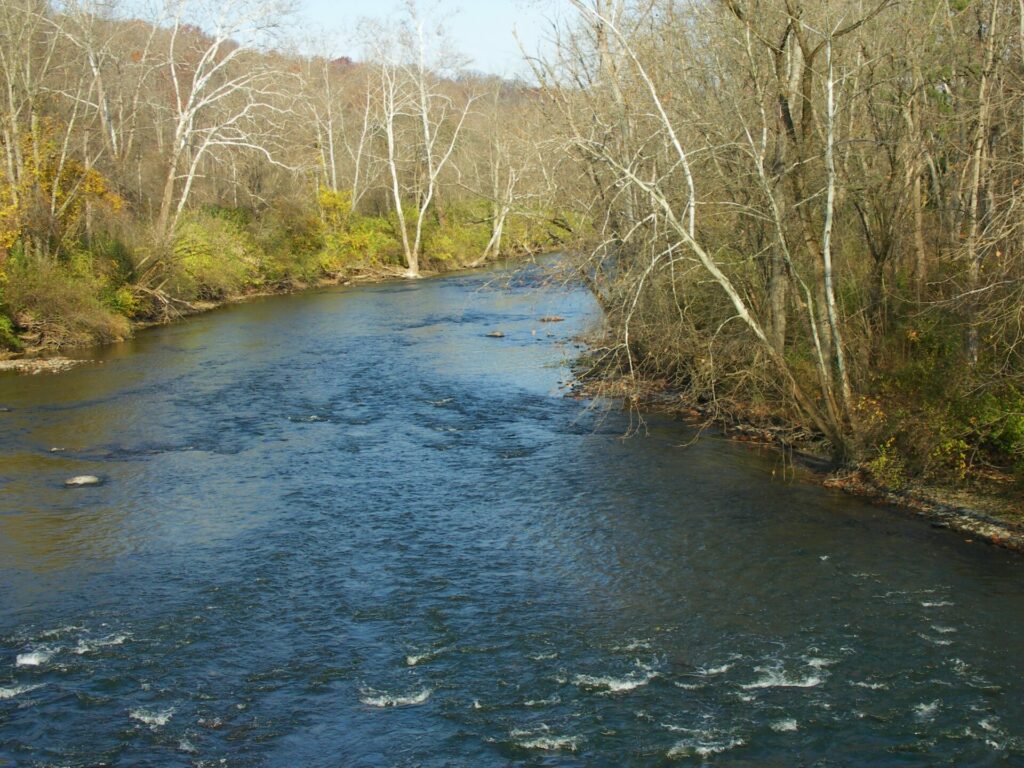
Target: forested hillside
{"points": [[153, 163], [811, 213], [806, 213]]}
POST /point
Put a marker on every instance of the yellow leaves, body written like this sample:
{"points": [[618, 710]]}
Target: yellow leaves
{"points": [[336, 207], [51, 191], [96, 187], [913, 336], [10, 216], [870, 411]]}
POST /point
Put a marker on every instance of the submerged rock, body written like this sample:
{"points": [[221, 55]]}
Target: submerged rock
{"points": [[552, 319], [496, 335], [82, 481]]}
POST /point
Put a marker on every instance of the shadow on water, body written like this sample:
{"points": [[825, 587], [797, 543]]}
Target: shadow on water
{"points": [[348, 528]]}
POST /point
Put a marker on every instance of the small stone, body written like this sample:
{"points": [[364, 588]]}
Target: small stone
{"points": [[82, 481], [4, 409], [56, 450], [496, 335]]}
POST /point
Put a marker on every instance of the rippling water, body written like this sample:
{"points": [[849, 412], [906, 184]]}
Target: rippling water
{"points": [[348, 529]]}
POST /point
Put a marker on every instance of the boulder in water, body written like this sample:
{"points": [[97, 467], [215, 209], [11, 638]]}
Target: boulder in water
{"points": [[82, 481]]}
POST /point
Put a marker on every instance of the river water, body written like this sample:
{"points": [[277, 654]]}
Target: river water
{"points": [[346, 528]]}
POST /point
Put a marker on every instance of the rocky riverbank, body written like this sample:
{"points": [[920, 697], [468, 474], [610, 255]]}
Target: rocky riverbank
{"points": [[993, 518]]}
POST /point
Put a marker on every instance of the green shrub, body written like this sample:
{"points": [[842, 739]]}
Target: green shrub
{"points": [[365, 240], [290, 238], [351, 239], [114, 258], [459, 242], [8, 338], [212, 257], [888, 467], [56, 306], [121, 300]]}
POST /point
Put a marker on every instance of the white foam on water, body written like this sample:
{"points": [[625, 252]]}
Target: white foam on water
{"points": [[152, 718], [634, 645], [413, 659], [552, 743], [926, 711], [785, 726], [871, 686], [934, 640], [187, 746], [518, 733], [617, 684], [703, 744], [36, 658], [53, 633], [17, 690], [542, 702], [820, 663], [943, 630], [719, 670], [989, 726], [544, 656], [377, 699], [937, 604], [88, 646], [476, 704], [775, 678], [689, 686]]}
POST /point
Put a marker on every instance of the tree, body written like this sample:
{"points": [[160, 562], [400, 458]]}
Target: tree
{"points": [[410, 93], [221, 91]]}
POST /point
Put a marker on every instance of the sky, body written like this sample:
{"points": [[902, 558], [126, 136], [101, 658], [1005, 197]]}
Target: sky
{"points": [[481, 30]]}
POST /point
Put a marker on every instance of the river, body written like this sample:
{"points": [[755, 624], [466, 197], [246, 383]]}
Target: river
{"points": [[348, 528]]}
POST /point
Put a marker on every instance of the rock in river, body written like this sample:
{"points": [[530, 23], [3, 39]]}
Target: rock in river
{"points": [[82, 481], [496, 335]]}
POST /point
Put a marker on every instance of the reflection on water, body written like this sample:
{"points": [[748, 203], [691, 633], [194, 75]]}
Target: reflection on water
{"points": [[347, 528]]}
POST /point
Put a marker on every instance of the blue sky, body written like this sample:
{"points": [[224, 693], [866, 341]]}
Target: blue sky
{"points": [[480, 29]]}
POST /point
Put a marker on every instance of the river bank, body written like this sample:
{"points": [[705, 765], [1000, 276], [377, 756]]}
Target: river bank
{"points": [[43, 359], [993, 518], [348, 522]]}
